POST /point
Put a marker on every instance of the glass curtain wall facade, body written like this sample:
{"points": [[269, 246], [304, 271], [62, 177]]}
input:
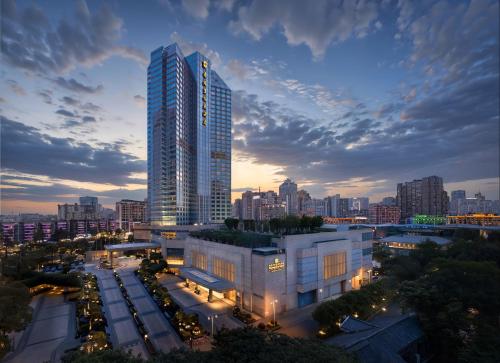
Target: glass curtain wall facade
{"points": [[200, 68], [171, 147], [180, 166], [220, 143]]}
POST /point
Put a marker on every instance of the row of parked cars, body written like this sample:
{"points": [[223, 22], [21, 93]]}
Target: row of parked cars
{"points": [[75, 266]]}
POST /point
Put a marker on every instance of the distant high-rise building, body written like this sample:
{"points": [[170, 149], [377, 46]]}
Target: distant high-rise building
{"points": [[261, 205], [389, 201], [476, 204], [267, 205], [288, 194], [380, 214], [316, 207], [237, 209], [332, 206], [425, 196], [129, 212], [89, 207], [90, 201], [457, 194], [360, 203], [302, 198], [247, 205], [70, 212], [457, 198], [343, 209], [189, 140]]}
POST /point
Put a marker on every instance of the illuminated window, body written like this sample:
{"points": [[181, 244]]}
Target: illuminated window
{"points": [[224, 269], [334, 265], [199, 260]]}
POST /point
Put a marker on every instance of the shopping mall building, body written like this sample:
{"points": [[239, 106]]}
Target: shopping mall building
{"points": [[287, 273]]}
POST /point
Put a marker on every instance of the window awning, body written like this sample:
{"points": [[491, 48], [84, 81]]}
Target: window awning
{"points": [[206, 279]]}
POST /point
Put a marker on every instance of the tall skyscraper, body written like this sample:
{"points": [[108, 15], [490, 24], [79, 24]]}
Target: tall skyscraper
{"points": [[220, 149], [288, 194], [189, 140], [424, 196]]}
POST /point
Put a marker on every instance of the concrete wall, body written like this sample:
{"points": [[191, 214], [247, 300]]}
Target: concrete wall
{"points": [[268, 286]]}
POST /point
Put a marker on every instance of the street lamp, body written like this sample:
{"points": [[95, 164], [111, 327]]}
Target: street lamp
{"points": [[273, 303], [212, 318], [320, 293]]}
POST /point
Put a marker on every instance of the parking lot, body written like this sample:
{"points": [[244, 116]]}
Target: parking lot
{"points": [[160, 332], [121, 325]]}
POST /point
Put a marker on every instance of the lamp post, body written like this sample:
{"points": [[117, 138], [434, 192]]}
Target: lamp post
{"points": [[212, 318], [273, 303], [320, 294]]}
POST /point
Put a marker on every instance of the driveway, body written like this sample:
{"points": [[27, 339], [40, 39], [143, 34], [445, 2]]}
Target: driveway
{"points": [[191, 302]]}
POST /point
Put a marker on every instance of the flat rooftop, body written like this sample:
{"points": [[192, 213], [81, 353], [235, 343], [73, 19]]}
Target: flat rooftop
{"points": [[206, 279], [415, 239], [131, 246], [235, 238]]}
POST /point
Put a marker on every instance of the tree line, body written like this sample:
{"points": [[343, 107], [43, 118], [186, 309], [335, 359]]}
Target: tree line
{"points": [[290, 224]]}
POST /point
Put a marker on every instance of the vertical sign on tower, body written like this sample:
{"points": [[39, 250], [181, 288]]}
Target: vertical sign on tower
{"points": [[204, 64]]}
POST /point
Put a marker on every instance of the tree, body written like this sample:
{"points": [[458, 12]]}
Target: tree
{"points": [[59, 234], [291, 223], [105, 356], [231, 223], [239, 345], [316, 222], [249, 225], [275, 224], [305, 223], [457, 303], [15, 311], [130, 238], [38, 235]]}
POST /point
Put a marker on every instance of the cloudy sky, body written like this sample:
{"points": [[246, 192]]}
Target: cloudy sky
{"points": [[346, 97]]}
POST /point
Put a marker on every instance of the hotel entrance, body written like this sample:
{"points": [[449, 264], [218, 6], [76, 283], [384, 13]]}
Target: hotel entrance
{"points": [[205, 284]]}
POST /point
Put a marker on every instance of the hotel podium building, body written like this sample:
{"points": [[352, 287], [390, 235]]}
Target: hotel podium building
{"points": [[189, 140], [295, 270]]}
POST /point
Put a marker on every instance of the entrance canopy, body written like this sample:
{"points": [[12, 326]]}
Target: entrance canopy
{"points": [[131, 246], [206, 280]]}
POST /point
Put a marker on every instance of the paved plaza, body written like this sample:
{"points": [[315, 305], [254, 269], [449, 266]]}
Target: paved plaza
{"points": [[51, 331]]}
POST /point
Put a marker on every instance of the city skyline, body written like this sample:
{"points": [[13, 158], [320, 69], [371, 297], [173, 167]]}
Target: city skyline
{"points": [[351, 108]]}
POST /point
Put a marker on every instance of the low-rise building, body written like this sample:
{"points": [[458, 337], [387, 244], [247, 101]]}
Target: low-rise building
{"points": [[284, 274], [404, 244], [480, 219]]}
